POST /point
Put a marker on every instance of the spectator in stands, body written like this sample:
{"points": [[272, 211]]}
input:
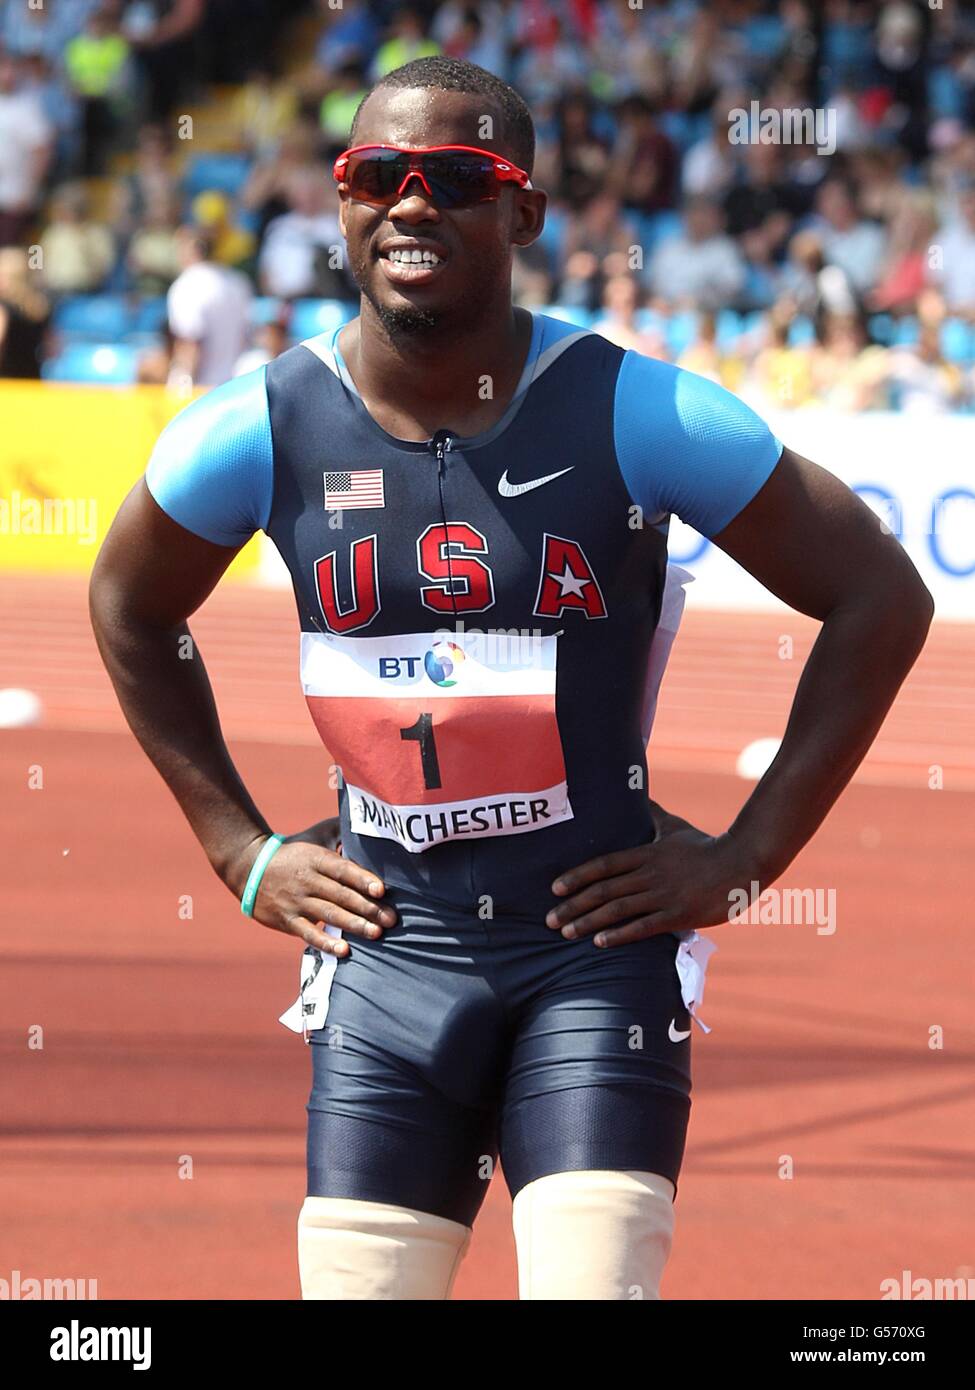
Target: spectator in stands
{"points": [[26, 146], [233, 245], [626, 61], [953, 265], [474, 33], [340, 103], [407, 40], [618, 323], [709, 168], [924, 382], [303, 252], [270, 340], [849, 241], [153, 179], [765, 194], [24, 317], [78, 251], [702, 268], [264, 111], [153, 258], [155, 363], [208, 307], [265, 193], [42, 30], [96, 63], [162, 33], [703, 356], [815, 286], [597, 246], [907, 266], [352, 35], [582, 155], [780, 376], [645, 166], [848, 373], [548, 62], [43, 80]]}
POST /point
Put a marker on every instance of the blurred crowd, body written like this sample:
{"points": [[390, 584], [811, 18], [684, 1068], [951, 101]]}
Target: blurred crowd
{"points": [[177, 153]]}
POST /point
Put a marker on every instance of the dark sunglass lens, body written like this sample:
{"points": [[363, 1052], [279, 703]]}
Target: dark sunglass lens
{"points": [[378, 176], [461, 179]]}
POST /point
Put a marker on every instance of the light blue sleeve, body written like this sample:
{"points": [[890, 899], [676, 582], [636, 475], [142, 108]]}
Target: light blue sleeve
{"points": [[212, 469], [687, 446]]}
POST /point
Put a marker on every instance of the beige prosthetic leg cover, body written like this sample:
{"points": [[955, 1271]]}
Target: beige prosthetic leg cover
{"points": [[593, 1235], [354, 1250]]}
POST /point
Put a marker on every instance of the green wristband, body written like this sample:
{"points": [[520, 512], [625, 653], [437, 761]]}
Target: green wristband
{"points": [[268, 849]]}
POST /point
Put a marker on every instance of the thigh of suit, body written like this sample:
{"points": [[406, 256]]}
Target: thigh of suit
{"points": [[408, 1069], [599, 1075], [450, 1029]]}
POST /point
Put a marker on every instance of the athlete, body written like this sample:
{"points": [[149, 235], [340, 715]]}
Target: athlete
{"points": [[473, 502]]}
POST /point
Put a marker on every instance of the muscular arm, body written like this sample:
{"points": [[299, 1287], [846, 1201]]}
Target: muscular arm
{"points": [[811, 541], [150, 576], [814, 544]]}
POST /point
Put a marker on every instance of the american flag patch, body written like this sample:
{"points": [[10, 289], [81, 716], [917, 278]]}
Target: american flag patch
{"points": [[363, 488]]}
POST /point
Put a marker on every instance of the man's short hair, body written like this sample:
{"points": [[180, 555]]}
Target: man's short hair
{"points": [[456, 75]]}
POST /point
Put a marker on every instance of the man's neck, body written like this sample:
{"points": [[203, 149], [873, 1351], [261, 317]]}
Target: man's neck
{"points": [[457, 379]]}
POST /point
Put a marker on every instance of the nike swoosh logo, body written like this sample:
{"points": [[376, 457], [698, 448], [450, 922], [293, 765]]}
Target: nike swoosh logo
{"points": [[673, 1033], [507, 489]]}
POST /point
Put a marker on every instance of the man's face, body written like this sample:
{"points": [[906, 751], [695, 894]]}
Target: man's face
{"points": [[474, 245]]}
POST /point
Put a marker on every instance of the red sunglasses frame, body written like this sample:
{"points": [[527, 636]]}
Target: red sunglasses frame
{"points": [[505, 171]]}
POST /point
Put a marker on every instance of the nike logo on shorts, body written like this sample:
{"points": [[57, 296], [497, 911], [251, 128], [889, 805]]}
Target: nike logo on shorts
{"points": [[674, 1035]]}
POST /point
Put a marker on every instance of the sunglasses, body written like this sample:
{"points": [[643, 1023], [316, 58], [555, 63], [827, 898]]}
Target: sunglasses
{"points": [[453, 176]]}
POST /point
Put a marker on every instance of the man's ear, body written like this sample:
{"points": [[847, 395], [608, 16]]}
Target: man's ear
{"points": [[529, 216]]}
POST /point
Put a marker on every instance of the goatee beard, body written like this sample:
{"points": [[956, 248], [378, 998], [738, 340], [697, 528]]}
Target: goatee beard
{"points": [[407, 321]]}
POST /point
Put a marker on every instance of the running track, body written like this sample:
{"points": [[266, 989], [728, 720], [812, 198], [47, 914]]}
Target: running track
{"points": [[160, 1040]]}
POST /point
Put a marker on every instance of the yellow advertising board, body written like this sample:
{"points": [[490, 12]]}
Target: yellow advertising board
{"points": [[68, 457]]}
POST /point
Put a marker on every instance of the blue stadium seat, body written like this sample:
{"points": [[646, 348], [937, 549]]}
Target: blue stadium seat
{"points": [[264, 309], [802, 332], [93, 317], [881, 328], [957, 341], [104, 364], [225, 173], [149, 316], [649, 321], [311, 316], [654, 228], [728, 329], [681, 331]]}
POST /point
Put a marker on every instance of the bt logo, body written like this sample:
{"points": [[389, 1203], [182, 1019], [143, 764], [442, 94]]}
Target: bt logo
{"points": [[440, 663]]}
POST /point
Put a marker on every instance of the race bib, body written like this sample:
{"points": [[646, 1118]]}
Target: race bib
{"points": [[440, 738]]}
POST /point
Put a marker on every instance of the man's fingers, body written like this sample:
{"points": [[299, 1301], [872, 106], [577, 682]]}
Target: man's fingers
{"points": [[654, 924], [312, 934], [603, 866], [367, 887], [611, 913], [602, 892], [321, 910]]}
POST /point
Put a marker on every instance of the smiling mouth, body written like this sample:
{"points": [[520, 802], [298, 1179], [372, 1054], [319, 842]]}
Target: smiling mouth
{"points": [[404, 266]]}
